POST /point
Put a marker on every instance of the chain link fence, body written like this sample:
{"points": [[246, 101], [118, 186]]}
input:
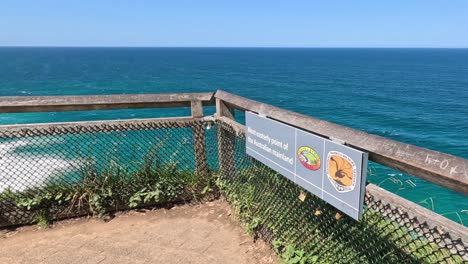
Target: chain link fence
{"points": [[53, 172], [301, 227], [59, 171]]}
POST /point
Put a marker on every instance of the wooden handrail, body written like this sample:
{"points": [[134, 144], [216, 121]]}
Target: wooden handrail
{"points": [[196, 101], [21, 104], [456, 230], [77, 127], [439, 168]]}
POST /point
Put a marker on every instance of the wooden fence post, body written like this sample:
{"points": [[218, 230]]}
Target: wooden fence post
{"points": [[226, 142], [199, 147]]}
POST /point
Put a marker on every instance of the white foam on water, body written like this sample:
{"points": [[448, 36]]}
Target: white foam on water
{"points": [[19, 172]]}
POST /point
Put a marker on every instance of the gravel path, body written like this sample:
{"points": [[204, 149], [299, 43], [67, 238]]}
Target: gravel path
{"points": [[203, 233]]}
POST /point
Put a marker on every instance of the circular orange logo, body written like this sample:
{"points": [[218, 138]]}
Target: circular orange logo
{"points": [[341, 171]]}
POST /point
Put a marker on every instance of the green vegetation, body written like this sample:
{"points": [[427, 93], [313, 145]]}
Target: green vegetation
{"points": [[42, 218], [112, 188], [305, 230], [291, 255], [312, 232]]}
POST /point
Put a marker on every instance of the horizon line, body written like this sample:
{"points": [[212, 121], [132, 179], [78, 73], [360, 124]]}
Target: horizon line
{"points": [[234, 47]]}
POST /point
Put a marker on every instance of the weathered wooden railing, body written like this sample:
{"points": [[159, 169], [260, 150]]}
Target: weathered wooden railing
{"points": [[15, 104], [439, 168], [436, 167], [433, 166], [196, 101]]}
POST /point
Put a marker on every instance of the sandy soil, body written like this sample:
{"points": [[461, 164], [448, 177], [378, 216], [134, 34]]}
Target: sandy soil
{"points": [[204, 233]]}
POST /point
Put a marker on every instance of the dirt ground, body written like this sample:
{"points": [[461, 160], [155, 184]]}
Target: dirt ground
{"points": [[204, 233]]}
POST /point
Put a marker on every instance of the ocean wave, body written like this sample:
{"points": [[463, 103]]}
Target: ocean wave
{"points": [[19, 172]]}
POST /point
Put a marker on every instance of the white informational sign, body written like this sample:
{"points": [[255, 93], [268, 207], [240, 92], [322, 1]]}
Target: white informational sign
{"points": [[332, 171]]}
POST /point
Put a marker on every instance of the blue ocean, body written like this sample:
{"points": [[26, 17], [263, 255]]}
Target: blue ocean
{"points": [[417, 96]]}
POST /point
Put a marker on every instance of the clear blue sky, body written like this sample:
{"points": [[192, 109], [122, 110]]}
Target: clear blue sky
{"points": [[251, 23]]}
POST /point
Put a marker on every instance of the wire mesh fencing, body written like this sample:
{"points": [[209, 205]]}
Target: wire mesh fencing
{"points": [[52, 172], [62, 171], [304, 229]]}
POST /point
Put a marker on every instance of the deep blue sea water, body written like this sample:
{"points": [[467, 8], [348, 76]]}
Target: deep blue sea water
{"points": [[418, 96]]}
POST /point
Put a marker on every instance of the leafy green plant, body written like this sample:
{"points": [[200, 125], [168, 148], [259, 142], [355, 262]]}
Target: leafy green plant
{"points": [[292, 255], [252, 225], [277, 245], [98, 190], [305, 231], [42, 219], [310, 231]]}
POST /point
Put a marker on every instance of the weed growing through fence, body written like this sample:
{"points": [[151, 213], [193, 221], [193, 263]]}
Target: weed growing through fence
{"points": [[268, 206], [97, 191], [291, 255], [43, 219], [307, 231]]}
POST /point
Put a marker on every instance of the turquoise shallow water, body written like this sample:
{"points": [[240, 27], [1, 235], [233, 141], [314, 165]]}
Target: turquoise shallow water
{"points": [[418, 96]]}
